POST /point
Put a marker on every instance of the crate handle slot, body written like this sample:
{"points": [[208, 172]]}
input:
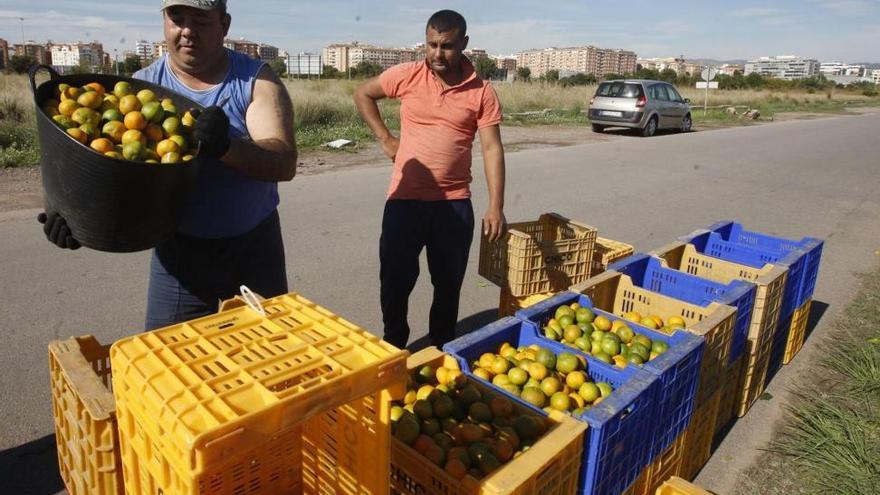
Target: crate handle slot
{"points": [[252, 300]]}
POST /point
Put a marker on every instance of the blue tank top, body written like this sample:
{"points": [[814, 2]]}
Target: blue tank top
{"points": [[225, 202]]}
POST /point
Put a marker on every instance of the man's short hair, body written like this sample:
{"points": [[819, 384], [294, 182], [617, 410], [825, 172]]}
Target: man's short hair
{"points": [[448, 20]]}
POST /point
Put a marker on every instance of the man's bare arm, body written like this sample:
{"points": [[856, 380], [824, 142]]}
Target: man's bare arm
{"points": [[270, 154], [365, 98], [494, 223]]}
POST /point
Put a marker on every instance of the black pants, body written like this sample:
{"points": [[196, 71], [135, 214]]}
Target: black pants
{"points": [[189, 276], [445, 229]]}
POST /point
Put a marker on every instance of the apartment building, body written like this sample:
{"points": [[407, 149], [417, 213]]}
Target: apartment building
{"points": [[342, 56], [875, 76], [160, 48], [267, 53], [336, 56], [144, 51], [39, 53], [506, 63], [583, 59], [259, 51], [788, 67], [65, 56], [842, 69], [242, 45]]}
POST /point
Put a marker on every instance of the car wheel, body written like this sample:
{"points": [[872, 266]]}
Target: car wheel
{"points": [[650, 128], [687, 123], [598, 128]]}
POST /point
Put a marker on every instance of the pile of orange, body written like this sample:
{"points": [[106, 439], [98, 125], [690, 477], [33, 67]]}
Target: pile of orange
{"points": [[123, 124], [613, 342], [464, 429], [542, 377]]}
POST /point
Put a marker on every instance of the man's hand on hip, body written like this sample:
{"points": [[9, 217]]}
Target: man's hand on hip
{"points": [[390, 145], [494, 224], [212, 132]]}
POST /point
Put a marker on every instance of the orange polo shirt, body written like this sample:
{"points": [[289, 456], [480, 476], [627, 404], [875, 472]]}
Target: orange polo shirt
{"points": [[437, 129]]}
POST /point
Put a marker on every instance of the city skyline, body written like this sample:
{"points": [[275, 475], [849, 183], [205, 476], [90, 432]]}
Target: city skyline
{"points": [[828, 30]]}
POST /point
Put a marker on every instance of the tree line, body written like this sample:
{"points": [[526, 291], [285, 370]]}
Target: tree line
{"points": [[486, 69], [725, 81]]}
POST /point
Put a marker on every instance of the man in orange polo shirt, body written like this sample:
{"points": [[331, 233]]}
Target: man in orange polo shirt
{"points": [[443, 104]]}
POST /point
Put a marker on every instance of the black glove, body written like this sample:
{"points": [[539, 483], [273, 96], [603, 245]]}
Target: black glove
{"points": [[57, 231], [212, 131]]}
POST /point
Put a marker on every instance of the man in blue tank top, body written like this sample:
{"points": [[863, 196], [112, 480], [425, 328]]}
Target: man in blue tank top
{"points": [[230, 234]]}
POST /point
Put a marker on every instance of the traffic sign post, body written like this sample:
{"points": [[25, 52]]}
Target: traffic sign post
{"points": [[707, 75]]}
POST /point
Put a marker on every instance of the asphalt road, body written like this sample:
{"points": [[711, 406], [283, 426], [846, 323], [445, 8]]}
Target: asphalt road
{"points": [[798, 178]]}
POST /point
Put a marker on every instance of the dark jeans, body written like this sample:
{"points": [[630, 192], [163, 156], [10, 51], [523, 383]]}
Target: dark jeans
{"points": [[189, 276], [445, 229]]}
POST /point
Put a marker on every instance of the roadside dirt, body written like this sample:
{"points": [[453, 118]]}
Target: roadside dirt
{"points": [[21, 188]]}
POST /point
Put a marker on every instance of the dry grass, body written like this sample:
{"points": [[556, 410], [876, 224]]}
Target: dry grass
{"points": [[18, 130], [519, 97], [324, 109]]}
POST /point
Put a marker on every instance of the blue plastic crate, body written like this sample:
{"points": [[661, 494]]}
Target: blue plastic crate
{"points": [[648, 272], [730, 241], [616, 444], [677, 370]]}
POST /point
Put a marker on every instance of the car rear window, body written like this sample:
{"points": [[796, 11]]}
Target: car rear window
{"points": [[620, 90]]}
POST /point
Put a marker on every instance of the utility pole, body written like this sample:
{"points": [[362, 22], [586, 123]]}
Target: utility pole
{"points": [[706, 102]]}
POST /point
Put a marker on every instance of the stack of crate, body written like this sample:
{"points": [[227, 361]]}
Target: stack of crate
{"points": [[730, 241], [616, 293], [749, 375], [744, 379]]}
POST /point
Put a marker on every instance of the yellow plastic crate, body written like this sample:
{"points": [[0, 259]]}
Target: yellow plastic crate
{"points": [[545, 255], [508, 304], [755, 362], [730, 395], [797, 333], [770, 281], [296, 400], [549, 467], [698, 437], [85, 417], [667, 464], [606, 252], [615, 293], [678, 486]]}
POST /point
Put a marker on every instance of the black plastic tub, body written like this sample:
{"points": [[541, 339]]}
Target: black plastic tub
{"points": [[110, 204]]}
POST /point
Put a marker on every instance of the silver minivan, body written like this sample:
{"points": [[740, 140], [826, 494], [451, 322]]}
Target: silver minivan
{"points": [[639, 104]]}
